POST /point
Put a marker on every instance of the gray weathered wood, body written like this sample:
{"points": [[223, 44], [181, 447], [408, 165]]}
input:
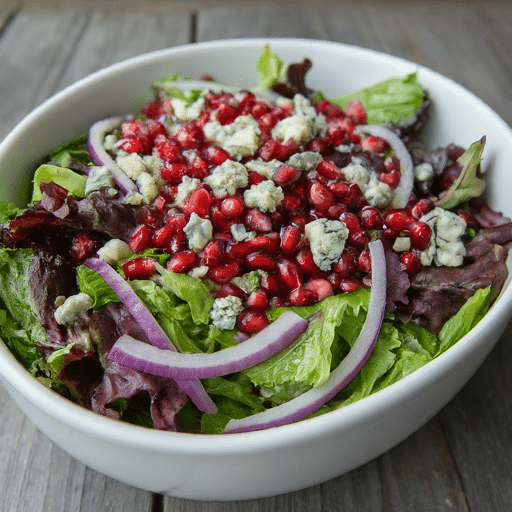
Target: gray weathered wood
{"points": [[462, 459]]}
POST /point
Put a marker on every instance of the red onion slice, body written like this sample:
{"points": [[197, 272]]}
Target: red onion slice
{"points": [[156, 335], [164, 363], [100, 156], [404, 189], [313, 399]]}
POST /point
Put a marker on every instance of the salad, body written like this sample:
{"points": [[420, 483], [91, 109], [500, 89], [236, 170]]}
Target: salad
{"points": [[228, 260]]}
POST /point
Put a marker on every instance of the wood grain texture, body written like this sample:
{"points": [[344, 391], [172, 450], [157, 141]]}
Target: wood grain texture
{"points": [[459, 461]]}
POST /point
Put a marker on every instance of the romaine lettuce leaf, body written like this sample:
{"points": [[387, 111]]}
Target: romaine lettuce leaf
{"points": [[388, 102], [92, 284], [8, 212], [73, 152], [271, 68]]}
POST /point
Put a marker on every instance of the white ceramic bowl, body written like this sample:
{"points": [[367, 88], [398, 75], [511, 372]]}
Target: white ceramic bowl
{"points": [[257, 464]]}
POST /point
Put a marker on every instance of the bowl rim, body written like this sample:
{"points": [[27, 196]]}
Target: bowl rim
{"points": [[119, 432]]}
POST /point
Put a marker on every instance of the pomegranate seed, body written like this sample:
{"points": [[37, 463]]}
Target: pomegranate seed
{"points": [[258, 300], [356, 112], [371, 218], [270, 243], [346, 265], [349, 284], [256, 220], [467, 218], [259, 109], [270, 283], [252, 321], [359, 238], [82, 247], [321, 288], [232, 207], [141, 238], [199, 202], [163, 236], [364, 262], [337, 188], [355, 199], [153, 110], [216, 155], [301, 297], [238, 251], [286, 176], [182, 261], [176, 219], [213, 252], [420, 234], [351, 221], [411, 261], [320, 197], [299, 221], [319, 145], [289, 273], [390, 178], [231, 289], [399, 220], [277, 302], [290, 238], [255, 178], [291, 203], [307, 264], [224, 272], [189, 136], [336, 210], [391, 163], [260, 260], [270, 150], [132, 129], [422, 207], [329, 169], [141, 145], [139, 268], [153, 217], [225, 114], [169, 151], [198, 168], [178, 243], [268, 121], [372, 143]]}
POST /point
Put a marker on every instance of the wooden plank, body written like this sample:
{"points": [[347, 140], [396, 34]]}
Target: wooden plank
{"points": [[42, 53]]}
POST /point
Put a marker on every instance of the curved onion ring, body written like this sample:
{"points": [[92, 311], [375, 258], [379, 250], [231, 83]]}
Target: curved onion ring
{"points": [[404, 189], [193, 388], [349, 367], [164, 363], [99, 155]]}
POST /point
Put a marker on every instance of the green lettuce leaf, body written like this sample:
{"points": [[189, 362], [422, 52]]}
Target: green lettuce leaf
{"points": [[468, 185], [91, 283], [389, 102], [8, 212], [465, 319], [73, 152], [73, 182], [271, 68], [166, 85], [307, 361], [193, 291]]}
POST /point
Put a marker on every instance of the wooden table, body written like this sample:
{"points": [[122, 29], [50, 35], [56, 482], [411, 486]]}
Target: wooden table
{"points": [[462, 459]]}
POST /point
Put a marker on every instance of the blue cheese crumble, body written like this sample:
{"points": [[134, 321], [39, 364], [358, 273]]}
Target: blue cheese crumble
{"points": [[198, 231], [327, 241], [239, 138], [265, 196], [225, 310], [446, 247], [72, 308], [377, 193], [226, 178], [115, 251]]}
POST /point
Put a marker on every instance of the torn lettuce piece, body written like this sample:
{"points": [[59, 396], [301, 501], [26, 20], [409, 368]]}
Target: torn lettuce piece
{"points": [[468, 184], [92, 284], [467, 317], [307, 361], [73, 182], [391, 101], [167, 85], [72, 153], [8, 212], [191, 290], [271, 68]]}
